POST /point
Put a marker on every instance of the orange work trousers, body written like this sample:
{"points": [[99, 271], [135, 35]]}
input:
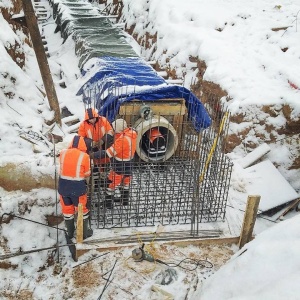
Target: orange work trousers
{"points": [[117, 179], [69, 205]]}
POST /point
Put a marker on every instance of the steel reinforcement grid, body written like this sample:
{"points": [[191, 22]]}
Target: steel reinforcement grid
{"points": [[191, 187]]}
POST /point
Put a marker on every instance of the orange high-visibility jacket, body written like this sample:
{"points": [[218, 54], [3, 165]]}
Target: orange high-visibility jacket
{"points": [[124, 146], [75, 162], [94, 131], [74, 168], [153, 134]]}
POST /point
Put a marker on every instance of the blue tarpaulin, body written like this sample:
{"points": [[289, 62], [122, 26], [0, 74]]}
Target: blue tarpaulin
{"points": [[109, 72]]}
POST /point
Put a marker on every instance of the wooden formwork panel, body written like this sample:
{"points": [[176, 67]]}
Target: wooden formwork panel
{"points": [[191, 141], [174, 110], [171, 109]]}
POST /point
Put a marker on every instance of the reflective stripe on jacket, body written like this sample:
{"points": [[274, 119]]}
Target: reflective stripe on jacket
{"points": [[95, 131], [74, 164], [124, 146]]}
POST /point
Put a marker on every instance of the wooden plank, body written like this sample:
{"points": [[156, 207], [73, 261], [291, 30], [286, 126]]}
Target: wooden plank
{"points": [[293, 205], [164, 294], [252, 157], [38, 47], [79, 231], [280, 28], [249, 219], [178, 125], [199, 242], [163, 236], [179, 243], [191, 148], [163, 107]]}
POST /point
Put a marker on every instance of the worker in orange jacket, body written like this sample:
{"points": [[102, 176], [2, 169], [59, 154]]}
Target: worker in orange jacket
{"points": [[72, 184], [98, 129], [156, 142], [121, 154]]}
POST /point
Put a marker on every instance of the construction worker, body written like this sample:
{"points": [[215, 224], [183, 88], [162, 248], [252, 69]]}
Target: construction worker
{"points": [[121, 154], [155, 142], [72, 185], [98, 129]]}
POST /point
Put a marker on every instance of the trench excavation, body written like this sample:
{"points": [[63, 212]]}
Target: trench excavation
{"points": [[181, 178]]}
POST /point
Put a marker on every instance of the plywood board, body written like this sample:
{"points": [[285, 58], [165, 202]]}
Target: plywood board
{"points": [[255, 155], [163, 107], [265, 180]]}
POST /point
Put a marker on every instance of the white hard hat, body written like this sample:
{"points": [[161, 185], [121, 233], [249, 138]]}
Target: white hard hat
{"points": [[119, 125]]}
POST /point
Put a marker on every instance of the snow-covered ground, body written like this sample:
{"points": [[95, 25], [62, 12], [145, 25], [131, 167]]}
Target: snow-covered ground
{"points": [[247, 61]]}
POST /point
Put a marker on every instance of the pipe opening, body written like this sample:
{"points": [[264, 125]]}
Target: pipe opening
{"points": [[157, 139]]}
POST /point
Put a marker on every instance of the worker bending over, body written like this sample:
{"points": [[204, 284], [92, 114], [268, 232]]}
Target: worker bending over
{"points": [[121, 154], [72, 185]]}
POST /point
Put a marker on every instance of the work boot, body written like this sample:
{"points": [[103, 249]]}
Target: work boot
{"points": [[70, 226], [87, 230]]}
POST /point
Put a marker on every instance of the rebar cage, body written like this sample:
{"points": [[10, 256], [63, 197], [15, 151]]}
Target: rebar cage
{"points": [[186, 184]]}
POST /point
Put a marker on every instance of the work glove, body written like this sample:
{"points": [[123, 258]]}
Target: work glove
{"points": [[98, 155], [98, 144], [108, 140]]}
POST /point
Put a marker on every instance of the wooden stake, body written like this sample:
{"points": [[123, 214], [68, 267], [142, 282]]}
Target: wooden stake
{"points": [[249, 220], [79, 231], [41, 58]]}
